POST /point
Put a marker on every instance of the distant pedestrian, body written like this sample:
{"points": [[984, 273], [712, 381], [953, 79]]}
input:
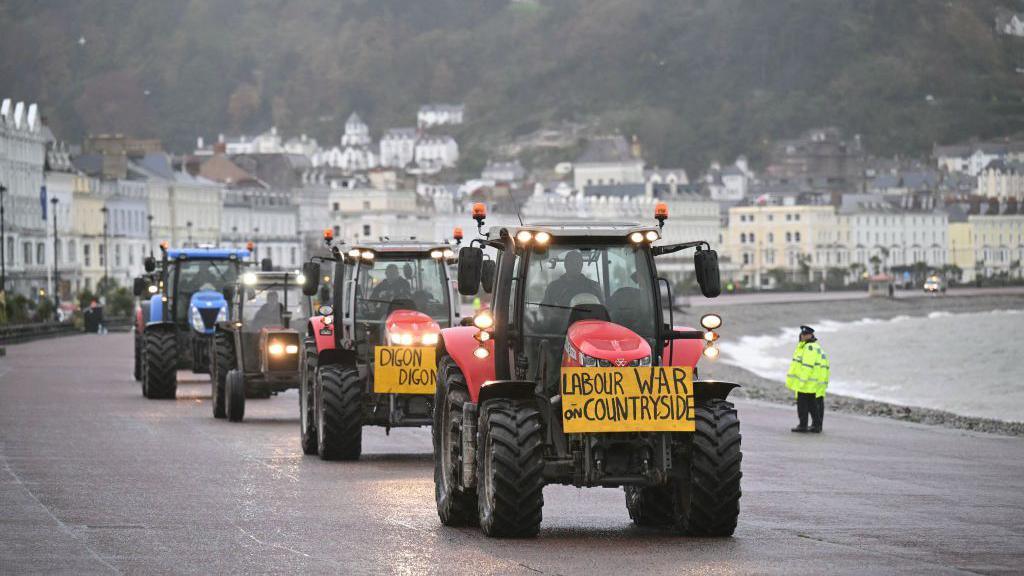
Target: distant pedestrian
{"points": [[808, 378]]}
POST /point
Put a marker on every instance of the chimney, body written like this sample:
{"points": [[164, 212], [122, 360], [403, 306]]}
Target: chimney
{"points": [[220, 148]]}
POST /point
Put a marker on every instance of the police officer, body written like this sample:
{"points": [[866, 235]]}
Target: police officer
{"points": [[808, 378]]}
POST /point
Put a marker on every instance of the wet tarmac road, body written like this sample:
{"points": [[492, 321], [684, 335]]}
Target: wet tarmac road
{"points": [[96, 479]]}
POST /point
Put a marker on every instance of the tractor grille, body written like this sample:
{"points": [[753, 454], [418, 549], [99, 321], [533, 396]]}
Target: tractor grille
{"points": [[209, 316]]}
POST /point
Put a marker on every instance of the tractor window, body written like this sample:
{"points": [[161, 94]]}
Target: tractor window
{"points": [[613, 279], [265, 305], [195, 275], [411, 283]]}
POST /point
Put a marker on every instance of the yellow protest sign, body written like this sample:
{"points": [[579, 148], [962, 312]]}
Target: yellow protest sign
{"points": [[404, 370], [640, 399]]}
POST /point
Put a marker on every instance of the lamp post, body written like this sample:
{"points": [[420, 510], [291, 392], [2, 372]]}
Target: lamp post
{"points": [[3, 241], [189, 226], [106, 247], [56, 267], [149, 228]]}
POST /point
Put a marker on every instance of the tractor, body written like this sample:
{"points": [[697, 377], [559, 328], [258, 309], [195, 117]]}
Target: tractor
{"points": [[369, 358], [177, 329], [256, 351], [577, 375]]}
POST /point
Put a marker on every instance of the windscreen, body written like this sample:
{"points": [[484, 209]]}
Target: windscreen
{"points": [[615, 277], [265, 306], [412, 283], [195, 275]]}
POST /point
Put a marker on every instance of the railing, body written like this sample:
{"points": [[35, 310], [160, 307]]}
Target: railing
{"points": [[18, 333]]}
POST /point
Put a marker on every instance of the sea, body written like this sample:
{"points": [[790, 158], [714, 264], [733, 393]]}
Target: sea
{"points": [[970, 364]]}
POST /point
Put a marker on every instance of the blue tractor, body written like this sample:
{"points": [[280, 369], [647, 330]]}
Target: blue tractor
{"points": [[186, 301]]}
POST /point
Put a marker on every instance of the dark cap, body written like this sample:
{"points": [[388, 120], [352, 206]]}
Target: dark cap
{"points": [[806, 330]]}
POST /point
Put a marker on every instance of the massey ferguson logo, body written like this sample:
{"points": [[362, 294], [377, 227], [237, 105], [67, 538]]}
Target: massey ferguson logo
{"points": [[620, 362]]}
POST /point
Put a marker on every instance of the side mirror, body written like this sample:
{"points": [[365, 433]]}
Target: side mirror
{"points": [[228, 292], [267, 265], [705, 264], [311, 271], [470, 265], [149, 263], [487, 275], [139, 286]]}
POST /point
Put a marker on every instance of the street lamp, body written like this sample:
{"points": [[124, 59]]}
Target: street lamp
{"points": [[189, 226], [149, 227], [106, 246], [56, 268]]}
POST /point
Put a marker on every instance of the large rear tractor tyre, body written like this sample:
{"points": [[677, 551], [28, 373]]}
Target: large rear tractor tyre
{"points": [[510, 468], [456, 506], [708, 502], [234, 395], [221, 363], [160, 363], [307, 407], [340, 413]]}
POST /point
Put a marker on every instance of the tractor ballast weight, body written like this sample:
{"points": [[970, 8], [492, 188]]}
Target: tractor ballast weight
{"points": [[577, 375], [369, 356]]}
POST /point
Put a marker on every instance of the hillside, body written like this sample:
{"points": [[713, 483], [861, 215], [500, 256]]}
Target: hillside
{"points": [[695, 79]]}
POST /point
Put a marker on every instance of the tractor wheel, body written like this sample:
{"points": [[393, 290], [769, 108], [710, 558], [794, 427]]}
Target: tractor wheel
{"points": [[137, 366], [649, 505], [510, 468], [307, 419], [456, 506], [340, 417], [222, 361], [707, 503], [234, 395], [160, 377]]}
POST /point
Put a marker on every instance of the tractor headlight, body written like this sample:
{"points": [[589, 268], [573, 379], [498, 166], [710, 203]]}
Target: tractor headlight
{"points": [[483, 320], [276, 349], [400, 338], [651, 236], [429, 339], [636, 237], [542, 238], [291, 349], [711, 352], [153, 288], [249, 279], [711, 321], [197, 319]]}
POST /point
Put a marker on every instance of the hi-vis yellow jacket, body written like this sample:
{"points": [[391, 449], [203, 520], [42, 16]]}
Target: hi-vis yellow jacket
{"points": [[809, 370]]}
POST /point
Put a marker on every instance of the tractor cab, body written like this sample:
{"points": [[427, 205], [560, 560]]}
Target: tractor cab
{"points": [[577, 374], [371, 359], [258, 352]]}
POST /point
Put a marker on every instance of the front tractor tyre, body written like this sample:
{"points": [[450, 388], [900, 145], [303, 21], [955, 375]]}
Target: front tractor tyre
{"points": [[307, 412], [456, 505], [510, 468], [340, 417], [234, 395], [160, 364], [708, 502], [137, 365], [222, 361]]}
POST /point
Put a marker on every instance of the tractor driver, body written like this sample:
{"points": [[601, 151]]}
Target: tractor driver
{"points": [[393, 286], [572, 283], [270, 313]]}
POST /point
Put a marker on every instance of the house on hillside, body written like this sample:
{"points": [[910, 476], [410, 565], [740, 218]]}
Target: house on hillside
{"points": [[431, 115], [608, 160], [398, 147], [1010, 23]]}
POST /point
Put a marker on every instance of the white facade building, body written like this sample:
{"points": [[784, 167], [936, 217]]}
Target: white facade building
{"points": [[436, 152], [440, 115], [269, 219], [398, 147], [607, 160], [22, 159], [1003, 180]]}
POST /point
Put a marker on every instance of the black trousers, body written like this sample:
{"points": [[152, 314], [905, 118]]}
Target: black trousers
{"points": [[808, 404]]}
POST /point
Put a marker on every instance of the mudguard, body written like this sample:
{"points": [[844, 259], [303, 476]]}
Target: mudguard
{"points": [[682, 352], [704, 390], [323, 334], [459, 343], [512, 389], [156, 310]]}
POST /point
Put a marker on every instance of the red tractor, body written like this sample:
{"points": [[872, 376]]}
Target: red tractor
{"points": [[577, 375], [369, 356]]}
